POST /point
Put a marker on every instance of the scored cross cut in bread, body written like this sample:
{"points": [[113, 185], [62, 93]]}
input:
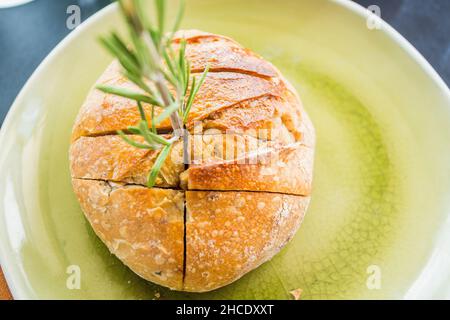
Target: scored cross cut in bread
{"points": [[225, 86], [105, 113], [223, 206], [110, 158], [267, 118], [285, 169], [213, 146], [222, 54], [239, 162], [217, 162]]}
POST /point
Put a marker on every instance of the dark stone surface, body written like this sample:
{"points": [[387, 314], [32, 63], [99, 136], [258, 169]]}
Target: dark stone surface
{"points": [[29, 32], [27, 35]]}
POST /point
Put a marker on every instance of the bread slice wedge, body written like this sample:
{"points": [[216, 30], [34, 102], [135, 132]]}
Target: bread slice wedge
{"points": [[231, 233], [143, 227]]}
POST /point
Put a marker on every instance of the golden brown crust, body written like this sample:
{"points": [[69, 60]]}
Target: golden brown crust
{"points": [[267, 117], [111, 158], [5, 294], [285, 169], [194, 34], [224, 89], [230, 233], [215, 147], [217, 162], [104, 113], [223, 55], [143, 227]]}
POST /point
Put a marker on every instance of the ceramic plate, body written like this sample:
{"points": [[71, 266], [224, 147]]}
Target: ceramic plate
{"points": [[379, 223]]}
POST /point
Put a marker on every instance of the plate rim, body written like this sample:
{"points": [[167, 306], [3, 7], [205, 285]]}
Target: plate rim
{"points": [[16, 292]]}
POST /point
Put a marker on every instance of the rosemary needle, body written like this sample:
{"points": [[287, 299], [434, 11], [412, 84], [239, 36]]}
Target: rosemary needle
{"points": [[152, 64]]}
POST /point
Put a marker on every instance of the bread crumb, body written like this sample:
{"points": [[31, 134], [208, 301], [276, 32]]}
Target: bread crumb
{"points": [[159, 259], [157, 295], [296, 293]]}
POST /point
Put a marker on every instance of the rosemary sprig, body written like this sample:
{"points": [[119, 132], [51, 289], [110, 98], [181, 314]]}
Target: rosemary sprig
{"points": [[152, 65]]}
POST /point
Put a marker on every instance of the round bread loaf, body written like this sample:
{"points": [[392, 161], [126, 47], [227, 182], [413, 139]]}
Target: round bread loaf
{"points": [[240, 199]]}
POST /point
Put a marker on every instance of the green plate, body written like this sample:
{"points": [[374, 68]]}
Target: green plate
{"points": [[379, 223]]}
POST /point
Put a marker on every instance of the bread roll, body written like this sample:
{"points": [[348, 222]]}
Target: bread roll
{"points": [[235, 204]]}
